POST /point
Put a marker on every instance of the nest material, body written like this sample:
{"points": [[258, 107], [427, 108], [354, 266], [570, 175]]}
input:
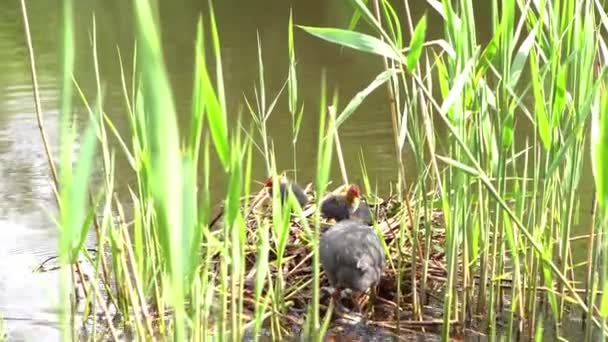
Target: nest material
{"points": [[297, 270]]}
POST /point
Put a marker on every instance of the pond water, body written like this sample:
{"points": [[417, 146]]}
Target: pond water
{"points": [[27, 232]]}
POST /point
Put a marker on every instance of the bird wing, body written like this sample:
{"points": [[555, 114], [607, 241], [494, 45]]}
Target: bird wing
{"points": [[373, 255], [360, 249], [363, 213]]}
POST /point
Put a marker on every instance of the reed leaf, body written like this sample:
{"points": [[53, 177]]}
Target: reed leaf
{"points": [[520, 58], [216, 118], [354, 40], [165, 175], [198, 100], [416, 45], [75, 222], [292, 88], [356, 101], [539, 104], [599, 150]]}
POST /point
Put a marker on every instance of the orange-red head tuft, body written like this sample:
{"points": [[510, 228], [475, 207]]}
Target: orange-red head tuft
{"points": [[353, 192], [268, 182]]}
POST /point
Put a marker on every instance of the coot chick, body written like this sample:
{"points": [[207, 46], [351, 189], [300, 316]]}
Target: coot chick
{"points": [[284, 185], [352, 256], [346, 205]]}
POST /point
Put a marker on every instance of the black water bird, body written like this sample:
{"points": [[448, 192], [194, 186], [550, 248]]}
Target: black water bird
{"points": [[286, 185], [352, 257], [346, 204]]}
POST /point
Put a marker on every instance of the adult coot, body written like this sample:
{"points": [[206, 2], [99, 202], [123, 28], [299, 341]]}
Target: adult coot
{"points": [[346, 205], [352, 257]]}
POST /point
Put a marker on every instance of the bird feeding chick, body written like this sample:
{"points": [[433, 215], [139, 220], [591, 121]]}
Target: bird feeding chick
{"points": [[287, 185], [346, 204], [352, 257]]}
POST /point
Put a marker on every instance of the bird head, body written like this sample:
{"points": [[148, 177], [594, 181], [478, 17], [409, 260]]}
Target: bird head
{"points": [[353, 194], [268, 182], [281, 180]]}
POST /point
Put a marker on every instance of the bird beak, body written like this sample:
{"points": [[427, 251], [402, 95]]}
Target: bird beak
{"points": [[355, 205]]}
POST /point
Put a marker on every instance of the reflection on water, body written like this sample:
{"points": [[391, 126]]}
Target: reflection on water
{"points": [[28, 301]]}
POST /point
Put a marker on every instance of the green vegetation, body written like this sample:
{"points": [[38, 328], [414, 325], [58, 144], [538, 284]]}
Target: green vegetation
{"points": [[2, 330], [509, 203]]}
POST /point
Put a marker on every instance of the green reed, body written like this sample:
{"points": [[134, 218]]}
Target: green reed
{"points": [[292, 91], [598, 262], [484, 93], [510, 208]]}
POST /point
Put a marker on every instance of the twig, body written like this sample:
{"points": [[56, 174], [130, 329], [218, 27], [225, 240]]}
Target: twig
{"points": [[39, 116]]}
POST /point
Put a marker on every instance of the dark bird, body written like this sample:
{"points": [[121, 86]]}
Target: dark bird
{"points": [[285, 185], [346, 205], [352, 257]]}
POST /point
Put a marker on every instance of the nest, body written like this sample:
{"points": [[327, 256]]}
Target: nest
{"points": [[390, 308]]}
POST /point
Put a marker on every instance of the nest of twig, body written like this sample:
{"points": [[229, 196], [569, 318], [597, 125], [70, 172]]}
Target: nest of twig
{"points": [[390, 307]]}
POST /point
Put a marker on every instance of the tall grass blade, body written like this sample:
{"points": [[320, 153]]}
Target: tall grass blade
{"points": [[216, 117], [292, 88], [198, 99], [165, 175], [539, 108]]}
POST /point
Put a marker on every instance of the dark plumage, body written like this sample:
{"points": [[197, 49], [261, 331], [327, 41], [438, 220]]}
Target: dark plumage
{"points": [[335, 207], [352, 256], [284, 185], [362, 213], [346, 205]]}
